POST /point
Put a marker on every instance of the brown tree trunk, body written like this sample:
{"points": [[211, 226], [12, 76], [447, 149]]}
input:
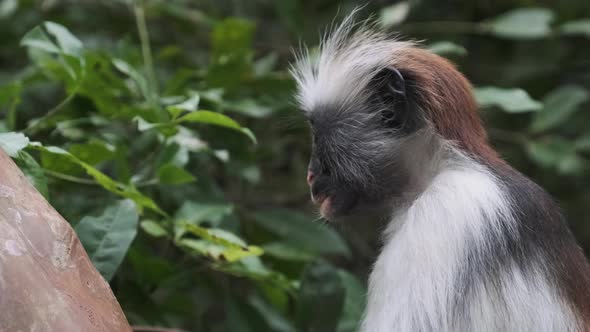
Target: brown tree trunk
{"points": [[47, 282]]}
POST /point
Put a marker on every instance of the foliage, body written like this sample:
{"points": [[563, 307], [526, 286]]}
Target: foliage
{"points": [[108, 237], [174, 124]]}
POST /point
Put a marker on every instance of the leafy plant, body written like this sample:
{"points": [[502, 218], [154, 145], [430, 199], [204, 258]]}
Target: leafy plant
{"points": [[164, 131]]}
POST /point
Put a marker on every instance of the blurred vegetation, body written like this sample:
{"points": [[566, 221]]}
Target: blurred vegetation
{"points": [[165, 132]]}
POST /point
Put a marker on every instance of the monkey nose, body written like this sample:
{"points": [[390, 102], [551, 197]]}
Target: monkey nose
{"points": [[309, 178]]}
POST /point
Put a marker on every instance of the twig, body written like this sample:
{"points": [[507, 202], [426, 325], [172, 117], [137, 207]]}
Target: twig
{"points": [[144, 39], [70, 178], [33, 128], [147, 183]]}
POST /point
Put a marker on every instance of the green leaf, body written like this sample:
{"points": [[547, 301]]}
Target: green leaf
{"points": [[102, 179], [13, 142], [189, 105], [153, 228], [240, 317], [67, 42], [275, 320], [266, 64], [10, 91], [204, 248], [522, 23], [38, 39], [557, 153], [583, 143], [395, 14], [107, 238], [60, 163], [321, 298], [249, 107], [214, 96], [558, 107], [209, 117], [200, 212], [447, 48], [287, 252], [252, 268], [579, 27], [147, 266], [217, 252], [231, 35], [217, 119], [217, 236], [248, 172], [67, 129], [508, 100], [172, 174], [136, 77], [218, 244], [354, 302], [301, 231], [10, 97], [143, 125], [33, 172], [7, 8], [93, 152], [571, 164], [186, 140], [231, 56], [549, 151], [222, 155], [277, 297], [55, 39]]}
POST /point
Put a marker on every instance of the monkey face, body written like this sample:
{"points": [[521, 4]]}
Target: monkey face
{"points": [[357, 159]]}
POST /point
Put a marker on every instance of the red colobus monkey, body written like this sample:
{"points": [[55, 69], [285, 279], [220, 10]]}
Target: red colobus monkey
{"points": [[471, 244]]}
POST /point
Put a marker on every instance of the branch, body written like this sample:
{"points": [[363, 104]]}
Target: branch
{"points": [[155, 329]]}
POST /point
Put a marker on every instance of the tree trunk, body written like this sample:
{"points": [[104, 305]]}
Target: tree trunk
{"points": [[47, 281]]}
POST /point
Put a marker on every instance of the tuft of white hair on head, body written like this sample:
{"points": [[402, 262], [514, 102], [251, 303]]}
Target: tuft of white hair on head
{"points": [[349, 56]]}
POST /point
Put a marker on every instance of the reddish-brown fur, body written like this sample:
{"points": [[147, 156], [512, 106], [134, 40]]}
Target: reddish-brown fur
{"points": [[447, 98]]}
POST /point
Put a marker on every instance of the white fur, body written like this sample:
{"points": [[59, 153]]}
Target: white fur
{"points": [[413, 284], [348, 58]]}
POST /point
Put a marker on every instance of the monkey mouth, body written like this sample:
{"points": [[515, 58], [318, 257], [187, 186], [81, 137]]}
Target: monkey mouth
{"points": [[319, 199], [324, 203], [332, 207], [326, 207], [333, 203]]}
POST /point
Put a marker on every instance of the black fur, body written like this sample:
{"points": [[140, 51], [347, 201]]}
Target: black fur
{"points": [[353, 154]]}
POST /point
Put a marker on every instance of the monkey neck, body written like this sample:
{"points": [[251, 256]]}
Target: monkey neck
{"points": [[423, 156]]}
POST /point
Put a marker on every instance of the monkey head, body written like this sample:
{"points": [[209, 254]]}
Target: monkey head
{"points": [[379, 111], [356, 147]]}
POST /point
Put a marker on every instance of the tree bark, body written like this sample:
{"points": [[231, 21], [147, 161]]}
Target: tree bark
{"points": [[47, 281]]}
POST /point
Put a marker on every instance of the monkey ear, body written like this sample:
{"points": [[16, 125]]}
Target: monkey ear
{"points": [[391, 92], [396, 84]]}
